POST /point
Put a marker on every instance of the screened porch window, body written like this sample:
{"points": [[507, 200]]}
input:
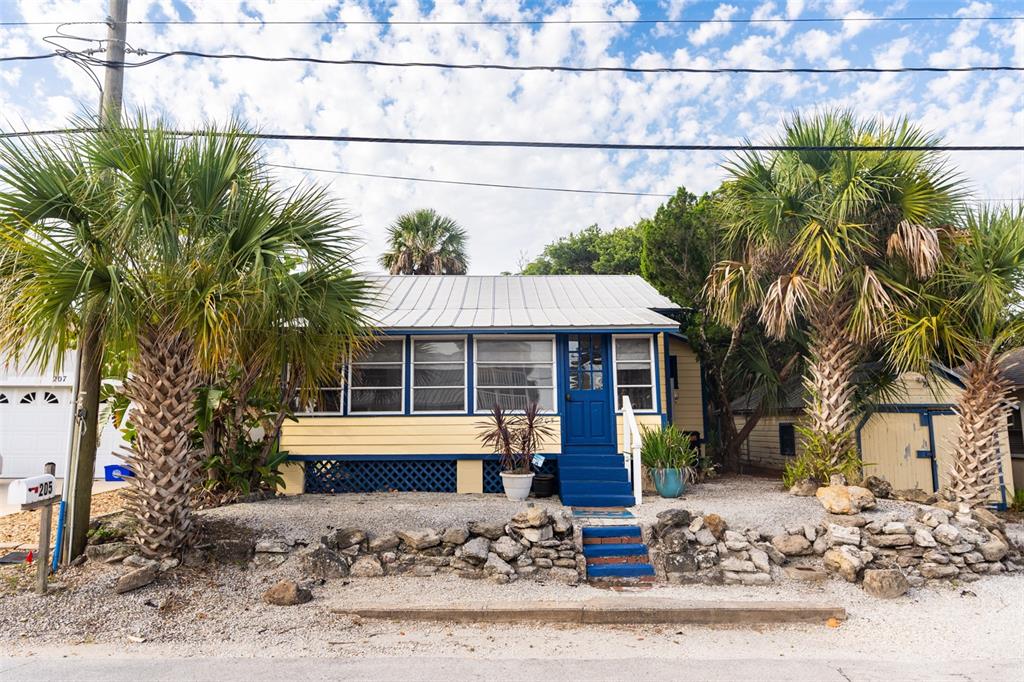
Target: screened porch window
{"points": [[513, 373], [634, 372], [377, 379], [439, 375]]}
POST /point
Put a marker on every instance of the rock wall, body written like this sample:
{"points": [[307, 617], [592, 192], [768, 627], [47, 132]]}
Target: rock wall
{"points": [[534, 544]]}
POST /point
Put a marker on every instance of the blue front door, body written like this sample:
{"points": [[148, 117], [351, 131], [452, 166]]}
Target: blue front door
{"points": [[588, 424]]}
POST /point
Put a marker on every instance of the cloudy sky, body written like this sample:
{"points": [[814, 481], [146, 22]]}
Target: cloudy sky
{"points": [[976, 108]]}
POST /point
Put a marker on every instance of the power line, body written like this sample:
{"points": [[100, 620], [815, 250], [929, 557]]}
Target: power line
{"points": [[160, 56], [606, 146], [513, 22], [473, 184], [572, 69]]}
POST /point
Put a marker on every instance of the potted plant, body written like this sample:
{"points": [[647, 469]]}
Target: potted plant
{"points": [[671, 457], [533, 430], [515, 439]]}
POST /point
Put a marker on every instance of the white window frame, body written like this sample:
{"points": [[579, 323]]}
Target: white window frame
{"points": [[654, 377], [348, 382], [518, 337], [412, 374]]}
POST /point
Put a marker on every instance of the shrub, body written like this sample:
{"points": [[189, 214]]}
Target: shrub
{"points": [[668, 448]]}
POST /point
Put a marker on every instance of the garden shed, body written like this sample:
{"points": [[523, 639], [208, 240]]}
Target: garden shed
{"points": [[908, 440], [35, 418], [405, 416]]}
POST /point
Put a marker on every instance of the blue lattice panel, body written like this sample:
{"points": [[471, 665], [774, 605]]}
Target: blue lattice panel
{"points": [[492, 473], [354, 476]]}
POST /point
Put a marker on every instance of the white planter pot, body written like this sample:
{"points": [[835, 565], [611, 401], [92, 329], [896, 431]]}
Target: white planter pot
{"points": [[517, 486]]}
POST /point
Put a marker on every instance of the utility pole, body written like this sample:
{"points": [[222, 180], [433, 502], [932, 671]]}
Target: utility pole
{"points": [[90, 344]]}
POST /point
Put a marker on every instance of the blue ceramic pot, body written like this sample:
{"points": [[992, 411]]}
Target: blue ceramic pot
{"points": [[669, 482]]}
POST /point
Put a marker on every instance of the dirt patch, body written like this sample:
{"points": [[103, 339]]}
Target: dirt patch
{"points": [[23, 527]]}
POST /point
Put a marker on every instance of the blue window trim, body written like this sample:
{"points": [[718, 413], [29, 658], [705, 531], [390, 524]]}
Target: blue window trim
{"points": [[386, 458], [670, 386], [534, 331]]}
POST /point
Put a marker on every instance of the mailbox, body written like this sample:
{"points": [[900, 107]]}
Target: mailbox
{"points": [[32, 490]]}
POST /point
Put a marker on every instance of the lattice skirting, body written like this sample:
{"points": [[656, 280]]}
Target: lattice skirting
{"points": [[348, 476], [492, 473]]}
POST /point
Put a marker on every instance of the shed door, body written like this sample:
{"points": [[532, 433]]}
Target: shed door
{"points": [[35, 424], [588, 408]]}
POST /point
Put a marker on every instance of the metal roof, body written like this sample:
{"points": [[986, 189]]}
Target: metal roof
{"points": [[460, 302]]}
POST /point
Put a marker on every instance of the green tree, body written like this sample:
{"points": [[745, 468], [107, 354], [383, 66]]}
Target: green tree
{"points": [[204, 257], [591, 252], [822, 238], [967, 315], [424, 242]]}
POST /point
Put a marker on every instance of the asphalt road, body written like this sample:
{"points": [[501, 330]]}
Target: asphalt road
{"points": [[78, 668]]}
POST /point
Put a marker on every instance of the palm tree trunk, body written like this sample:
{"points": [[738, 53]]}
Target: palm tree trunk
{"points": [[982, 412], [162, 388], [832, 359]]}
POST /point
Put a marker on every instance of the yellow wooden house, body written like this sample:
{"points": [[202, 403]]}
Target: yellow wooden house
{"points": [[405, 415]]}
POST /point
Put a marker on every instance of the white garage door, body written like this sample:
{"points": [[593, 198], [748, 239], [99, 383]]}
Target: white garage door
{"points": [[35, 425]]}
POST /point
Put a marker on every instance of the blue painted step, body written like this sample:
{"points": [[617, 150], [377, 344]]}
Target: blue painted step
{"points": [[616, 549], [610, 531], [570, 462], [596, 488], [582, 500], [594, 474], [620, 571]]}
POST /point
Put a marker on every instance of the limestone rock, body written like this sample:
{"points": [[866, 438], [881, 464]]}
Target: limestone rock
{"points": [[531, 517], [760, 559], [109, 552], [903, 540], [538, 534], [561, 520], [737, 565], [842, 535], [272, 546], [946, 534], [454, 536], [879, 487], [419, 538], [792, 545], [491, 531], [287, 593], [367, 566], [994, 550], [987, 519], [475, 551], [935, 571], [135, 578], [806, 573], [836, 499], [424, 571], [323, 563], [914, 495], [384, 543], [495, 564], [850, 521], [731, 577], [671, 518], [136, 560], [716, 524], [680, 563], [507, 548], [845, 561], [924, 538], [804, 488], [705, 537], [894, 528], [885, 584], [343, 538]]}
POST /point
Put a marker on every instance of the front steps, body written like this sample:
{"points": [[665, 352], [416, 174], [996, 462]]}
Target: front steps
{"points": [[616, 555], [594, 481]]}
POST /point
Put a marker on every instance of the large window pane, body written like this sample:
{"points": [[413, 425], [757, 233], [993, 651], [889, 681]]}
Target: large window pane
{"points": [[439, 375], [514, 351], [640, 398], [634, 372], [514, 373], [377, 378], [633, 349], [439, 399]]}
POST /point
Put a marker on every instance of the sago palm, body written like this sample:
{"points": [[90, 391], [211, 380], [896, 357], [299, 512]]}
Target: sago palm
{"points": [[966, 316], [424, 242], [204, 255], [814, 235]]}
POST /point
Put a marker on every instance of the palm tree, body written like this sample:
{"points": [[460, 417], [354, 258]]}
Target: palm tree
{"points": [[967, 315], [817, 237], [204, 256], [424, 242]]}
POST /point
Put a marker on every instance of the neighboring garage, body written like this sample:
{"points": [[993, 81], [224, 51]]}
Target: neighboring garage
{"points": [[36, 410]]}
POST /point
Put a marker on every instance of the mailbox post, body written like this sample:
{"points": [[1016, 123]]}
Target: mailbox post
{"points": [[38, 492]]}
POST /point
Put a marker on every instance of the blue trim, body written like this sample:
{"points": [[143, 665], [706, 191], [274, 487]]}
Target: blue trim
{"points": [[407, 390], [396, 458], [533, 331], [470, 375], [359, 415], [669, 385], [657, 378]]}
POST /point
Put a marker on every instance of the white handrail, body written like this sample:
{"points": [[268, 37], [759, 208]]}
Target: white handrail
{"points": [[631, 448]]}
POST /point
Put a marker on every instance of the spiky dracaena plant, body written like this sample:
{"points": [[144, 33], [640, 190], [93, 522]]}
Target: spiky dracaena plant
{"points": [[814, 236], [424, 242], [966, 316], [204, 255]]}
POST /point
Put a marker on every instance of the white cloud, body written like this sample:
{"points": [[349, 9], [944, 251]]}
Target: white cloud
{"points": [[709, 31], [816, 44]]}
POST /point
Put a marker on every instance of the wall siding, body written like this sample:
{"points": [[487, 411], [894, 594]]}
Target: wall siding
{"points": [[644, 421], [412, 435], [761, 448], [687, 400], [889, 444]]}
